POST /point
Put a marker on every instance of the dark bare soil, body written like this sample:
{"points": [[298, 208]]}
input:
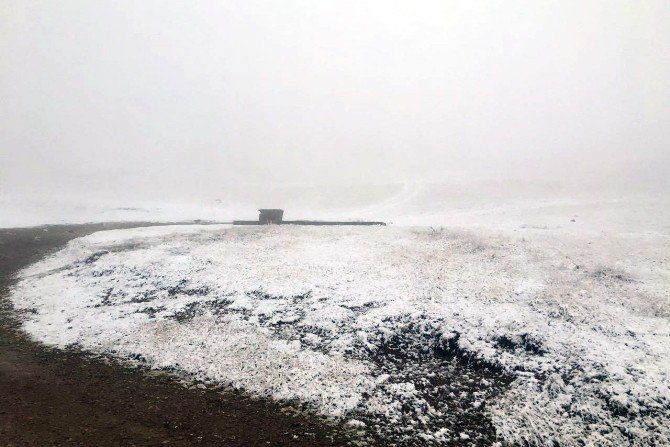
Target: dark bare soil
{"points": [[54, 397]]}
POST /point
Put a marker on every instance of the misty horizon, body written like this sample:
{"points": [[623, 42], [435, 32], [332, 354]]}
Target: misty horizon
{"points": [[169, 101]]}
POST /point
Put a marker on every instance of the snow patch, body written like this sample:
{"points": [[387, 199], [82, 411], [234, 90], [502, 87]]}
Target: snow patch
{"points": [[383, 326]]}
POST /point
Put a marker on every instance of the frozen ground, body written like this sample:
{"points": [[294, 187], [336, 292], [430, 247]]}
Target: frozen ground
{"points": [[525, 325]]}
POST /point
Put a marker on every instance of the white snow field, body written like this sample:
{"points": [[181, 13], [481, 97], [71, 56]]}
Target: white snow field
{"points": [[545, 323]]}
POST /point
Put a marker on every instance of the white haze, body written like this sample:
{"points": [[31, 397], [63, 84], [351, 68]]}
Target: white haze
{"points": [[324, 105]]}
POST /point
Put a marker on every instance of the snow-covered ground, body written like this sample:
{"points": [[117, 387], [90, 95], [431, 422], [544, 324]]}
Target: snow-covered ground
{"points": [[444, 199], [550, 329]]}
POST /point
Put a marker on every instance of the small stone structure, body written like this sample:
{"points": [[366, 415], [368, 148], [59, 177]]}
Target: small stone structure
{"points": [[270, 216], [276, 217]]}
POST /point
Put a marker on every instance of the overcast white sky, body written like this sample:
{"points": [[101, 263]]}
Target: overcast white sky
{"points": [[130, 98]]}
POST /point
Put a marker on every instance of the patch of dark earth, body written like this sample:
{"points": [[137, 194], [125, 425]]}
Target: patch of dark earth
{"points": [[51, 397]]}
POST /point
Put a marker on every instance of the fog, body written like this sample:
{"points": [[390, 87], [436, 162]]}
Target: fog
{"points": [[196, 101]]}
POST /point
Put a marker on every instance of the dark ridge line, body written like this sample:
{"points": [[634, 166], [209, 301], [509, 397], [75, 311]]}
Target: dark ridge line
{"points": [[309, 222]]}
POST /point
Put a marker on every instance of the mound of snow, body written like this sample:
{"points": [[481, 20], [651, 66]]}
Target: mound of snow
{"points": [[411, 333]]}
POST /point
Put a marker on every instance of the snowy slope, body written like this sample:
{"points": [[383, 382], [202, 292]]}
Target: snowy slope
{"points": [[444, 199], [550, 335]]}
